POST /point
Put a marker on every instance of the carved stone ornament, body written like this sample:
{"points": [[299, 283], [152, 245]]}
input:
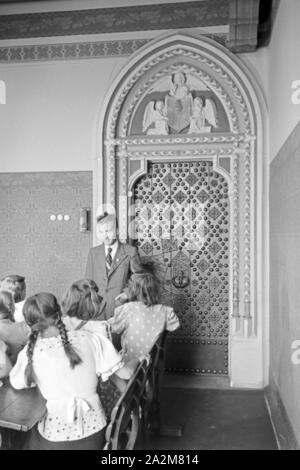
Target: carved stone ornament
{"points": [[180, 108], [176, 91]]}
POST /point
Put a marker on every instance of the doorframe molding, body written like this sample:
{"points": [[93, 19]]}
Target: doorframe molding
{"points": [[243, 102]]}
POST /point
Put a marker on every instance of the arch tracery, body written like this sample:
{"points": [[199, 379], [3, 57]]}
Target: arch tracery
{"points": [[126, 154]]}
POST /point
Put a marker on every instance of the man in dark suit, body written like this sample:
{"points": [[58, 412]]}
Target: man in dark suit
{"points": [[111, 264]]}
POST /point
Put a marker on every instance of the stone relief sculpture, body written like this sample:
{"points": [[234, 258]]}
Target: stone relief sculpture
{"points": [[155, 114], [179, 89], [179, 102], [201, 114], [181, 109]]}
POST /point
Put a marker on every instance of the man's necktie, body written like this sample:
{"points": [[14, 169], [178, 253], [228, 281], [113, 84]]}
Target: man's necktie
{"points": [[109, 258]]}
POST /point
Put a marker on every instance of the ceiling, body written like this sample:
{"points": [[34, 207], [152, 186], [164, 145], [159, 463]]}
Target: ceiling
{"points": [[249, 21], [122, 2], [24, 1]]}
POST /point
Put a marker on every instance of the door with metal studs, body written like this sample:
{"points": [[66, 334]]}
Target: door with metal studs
{"points": [[181, 216]]}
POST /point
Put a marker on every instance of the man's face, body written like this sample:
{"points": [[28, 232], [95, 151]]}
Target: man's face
{"points": [[106, 232]]}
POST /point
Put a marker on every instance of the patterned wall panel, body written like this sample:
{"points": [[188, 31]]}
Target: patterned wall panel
{"points": [[50, 254], [81, 50]]}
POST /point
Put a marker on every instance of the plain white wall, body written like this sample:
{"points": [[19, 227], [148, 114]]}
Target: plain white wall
{"points": [[284, 68], [258, 64], [48, 121]]}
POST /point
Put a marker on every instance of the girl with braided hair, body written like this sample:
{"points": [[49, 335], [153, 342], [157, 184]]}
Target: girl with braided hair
{"points": [[82, 306], [65, 366]]}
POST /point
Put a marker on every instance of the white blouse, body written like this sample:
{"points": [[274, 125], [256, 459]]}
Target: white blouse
{"points": [[140, 326], [74, 410], [18, 315], [97, 327]]}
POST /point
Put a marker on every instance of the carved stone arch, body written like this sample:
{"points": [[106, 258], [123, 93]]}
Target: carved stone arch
{"points": [[123, 156]]}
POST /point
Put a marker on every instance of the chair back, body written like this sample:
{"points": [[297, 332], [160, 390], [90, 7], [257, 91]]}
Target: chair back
{"points": [[157, 361], [150, 400], [123, 428], [139, 401]]}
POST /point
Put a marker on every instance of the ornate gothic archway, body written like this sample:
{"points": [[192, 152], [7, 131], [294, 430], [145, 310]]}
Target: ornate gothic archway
{"points": [[234, 148]]}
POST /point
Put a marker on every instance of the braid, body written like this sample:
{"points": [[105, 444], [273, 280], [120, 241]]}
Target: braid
{"points": [[88, 308], [72, 355], [29, 368], [96, 301]]}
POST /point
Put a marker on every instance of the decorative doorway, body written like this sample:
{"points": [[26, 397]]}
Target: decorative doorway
{"points": [[185, 106], [182, 228]]}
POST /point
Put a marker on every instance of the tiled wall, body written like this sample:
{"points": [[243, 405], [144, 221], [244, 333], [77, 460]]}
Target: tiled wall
{"points": [[50, 254], [285, 274]]}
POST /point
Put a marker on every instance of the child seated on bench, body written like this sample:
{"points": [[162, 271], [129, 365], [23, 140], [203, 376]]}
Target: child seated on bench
{"points": [[143, 318], [16, 285], [65, 366], [15, 335], [80, 305]]}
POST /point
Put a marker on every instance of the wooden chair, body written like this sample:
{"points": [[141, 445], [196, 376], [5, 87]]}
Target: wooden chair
{"points": [[123, 428], [151, 421], [150, 399]]}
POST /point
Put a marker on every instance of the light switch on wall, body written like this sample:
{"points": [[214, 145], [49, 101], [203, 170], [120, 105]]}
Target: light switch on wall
{"points": [[84, 219]]}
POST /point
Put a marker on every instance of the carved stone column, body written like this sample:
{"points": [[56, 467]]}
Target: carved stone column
{"points": [[235, 247], [123, 193], [247, 242], [111, 174]]}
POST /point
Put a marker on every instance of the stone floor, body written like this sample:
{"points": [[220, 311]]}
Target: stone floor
{"points": [[214, 419]]}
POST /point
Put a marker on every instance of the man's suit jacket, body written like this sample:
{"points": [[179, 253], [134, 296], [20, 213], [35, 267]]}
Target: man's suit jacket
{"points": [[112, 283]]}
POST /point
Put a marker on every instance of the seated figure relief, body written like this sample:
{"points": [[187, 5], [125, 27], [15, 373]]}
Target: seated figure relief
{"points": [[155, 116], [181, 110], [179, 102], [202, 114]]}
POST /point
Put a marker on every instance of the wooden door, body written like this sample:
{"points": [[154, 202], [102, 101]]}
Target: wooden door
{"points": [[182, 228]]}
